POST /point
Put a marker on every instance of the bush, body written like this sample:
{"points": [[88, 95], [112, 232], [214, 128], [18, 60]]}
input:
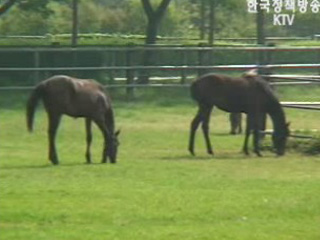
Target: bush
{"points": [[305, 146]]}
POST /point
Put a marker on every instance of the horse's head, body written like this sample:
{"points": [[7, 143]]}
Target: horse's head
{"points": [[279, 140], [112, 148]]}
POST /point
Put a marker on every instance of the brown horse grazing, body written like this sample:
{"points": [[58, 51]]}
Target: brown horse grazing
{"points": [[249, 94], [76, 98]]}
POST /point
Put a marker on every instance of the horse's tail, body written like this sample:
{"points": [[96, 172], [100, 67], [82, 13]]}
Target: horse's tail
{"points": [[32, 104], [193, 91]]}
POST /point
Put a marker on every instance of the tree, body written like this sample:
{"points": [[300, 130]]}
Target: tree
{"points": [[260, 25], [6, 6], [154, 17], [75, 22]]}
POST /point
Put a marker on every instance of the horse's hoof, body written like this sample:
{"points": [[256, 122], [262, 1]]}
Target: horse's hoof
{"points": [[210, 152], [191, 152], [55, 162], [259, 154], [246, 152]]}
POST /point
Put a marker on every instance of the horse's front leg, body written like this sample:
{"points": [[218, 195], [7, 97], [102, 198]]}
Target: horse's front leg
{"points": [[88, 139], [54, 120]]}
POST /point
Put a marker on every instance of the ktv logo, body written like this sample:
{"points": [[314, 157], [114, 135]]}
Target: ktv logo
{"points": [[284, 10]]}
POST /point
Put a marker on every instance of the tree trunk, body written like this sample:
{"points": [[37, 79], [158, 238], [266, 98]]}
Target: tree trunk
{"points": [[152, 30], [260, 25], [211, 21], [202, 19], [74, 41], [154, 17]]}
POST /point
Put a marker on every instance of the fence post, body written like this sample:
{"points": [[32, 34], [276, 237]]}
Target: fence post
{"points": [[36, 65], [74, 56], [318, 59], [201, 56], [264, 59], [129, 73], [183, 62], [112, 63]]}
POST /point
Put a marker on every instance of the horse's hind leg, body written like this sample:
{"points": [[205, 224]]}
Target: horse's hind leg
{"points": [[88, 139], [205, 126], [235, 122], [247, 135], [240, 123], [256, 141], [54, 120]]}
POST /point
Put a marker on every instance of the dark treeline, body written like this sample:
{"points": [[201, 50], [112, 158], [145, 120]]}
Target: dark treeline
{"points": [[182, 18]]}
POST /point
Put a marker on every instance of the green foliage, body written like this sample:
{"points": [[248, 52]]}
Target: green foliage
{"points": [[60, 18], [15, 23], [306, 146], [127, 17]]}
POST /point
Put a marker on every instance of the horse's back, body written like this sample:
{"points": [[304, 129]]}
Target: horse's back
{"points": [[75, 97], [232, 94], [216, 82], [220, 90]]}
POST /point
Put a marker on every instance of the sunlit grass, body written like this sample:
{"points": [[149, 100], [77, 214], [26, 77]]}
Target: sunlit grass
{"points": [[156, 190]]}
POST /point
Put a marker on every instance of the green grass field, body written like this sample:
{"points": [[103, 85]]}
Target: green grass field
{"points": [[156, 190]]}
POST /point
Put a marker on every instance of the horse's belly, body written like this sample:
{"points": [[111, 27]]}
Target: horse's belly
{"points": [[232, 107], [78, 113]]}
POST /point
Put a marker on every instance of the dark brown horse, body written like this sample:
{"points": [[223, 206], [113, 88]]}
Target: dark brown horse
{"points": [[249, 94], [75, 98]]}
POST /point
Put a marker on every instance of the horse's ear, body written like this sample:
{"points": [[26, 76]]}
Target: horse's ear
{"points": [[117, 132]]}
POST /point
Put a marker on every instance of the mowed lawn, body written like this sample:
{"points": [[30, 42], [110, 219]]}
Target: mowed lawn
{"points": [[156, 190]]}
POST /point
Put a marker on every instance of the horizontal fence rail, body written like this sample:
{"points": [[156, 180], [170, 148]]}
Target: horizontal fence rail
{"points": [[217, 67], [294, 77], [134, 36], [270, 132], [302, 81], [314, 78], [156, 47], [128, 61]]}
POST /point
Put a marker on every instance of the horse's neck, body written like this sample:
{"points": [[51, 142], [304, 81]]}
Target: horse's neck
{"points": [[277, 116]]}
